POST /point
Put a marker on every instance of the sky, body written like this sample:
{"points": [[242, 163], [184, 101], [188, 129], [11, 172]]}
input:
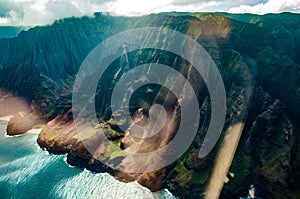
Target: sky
{"points": [[43, 12]]}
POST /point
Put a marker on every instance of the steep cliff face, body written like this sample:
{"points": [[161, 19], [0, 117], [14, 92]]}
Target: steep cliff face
{"points": [[58, 50], [256, 64], [267, 152], [276, 56]]}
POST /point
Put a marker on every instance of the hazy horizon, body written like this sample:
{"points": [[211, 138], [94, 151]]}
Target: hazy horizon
{"points": [[29, 13]]}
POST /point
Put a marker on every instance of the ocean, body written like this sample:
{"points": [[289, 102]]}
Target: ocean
{"points": [[27, 172]]}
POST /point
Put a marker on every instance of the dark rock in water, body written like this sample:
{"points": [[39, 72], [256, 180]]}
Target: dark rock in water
{"points": [[84, 161], [19, 124]]}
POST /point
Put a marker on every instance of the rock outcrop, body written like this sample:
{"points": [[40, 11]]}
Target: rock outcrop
{"points": [[22, 122]]}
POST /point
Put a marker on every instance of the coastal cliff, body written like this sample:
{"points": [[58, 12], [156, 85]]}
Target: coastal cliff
{"points": [[261, 75]]}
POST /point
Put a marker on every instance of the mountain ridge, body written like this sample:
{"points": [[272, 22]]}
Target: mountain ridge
{"points": [[40, 64]]}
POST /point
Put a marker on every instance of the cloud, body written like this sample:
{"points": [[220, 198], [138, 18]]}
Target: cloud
{"points": [[42, 12], [143, 7], [140, 7], [271, 6]]}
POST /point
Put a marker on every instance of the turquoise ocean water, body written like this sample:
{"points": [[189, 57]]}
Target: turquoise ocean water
{"points": [[27, 172]]}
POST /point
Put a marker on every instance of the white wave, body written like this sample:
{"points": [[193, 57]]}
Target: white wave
{"points": [[19, 173], [104, 186], [22, 169]]}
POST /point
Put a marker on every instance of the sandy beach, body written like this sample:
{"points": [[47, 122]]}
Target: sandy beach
{"points": [[35, 131], [6, 118]]}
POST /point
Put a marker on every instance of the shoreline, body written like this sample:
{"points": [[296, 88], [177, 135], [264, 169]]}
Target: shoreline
{"points": [[6, 118], [37, 130], [34, 130]]}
